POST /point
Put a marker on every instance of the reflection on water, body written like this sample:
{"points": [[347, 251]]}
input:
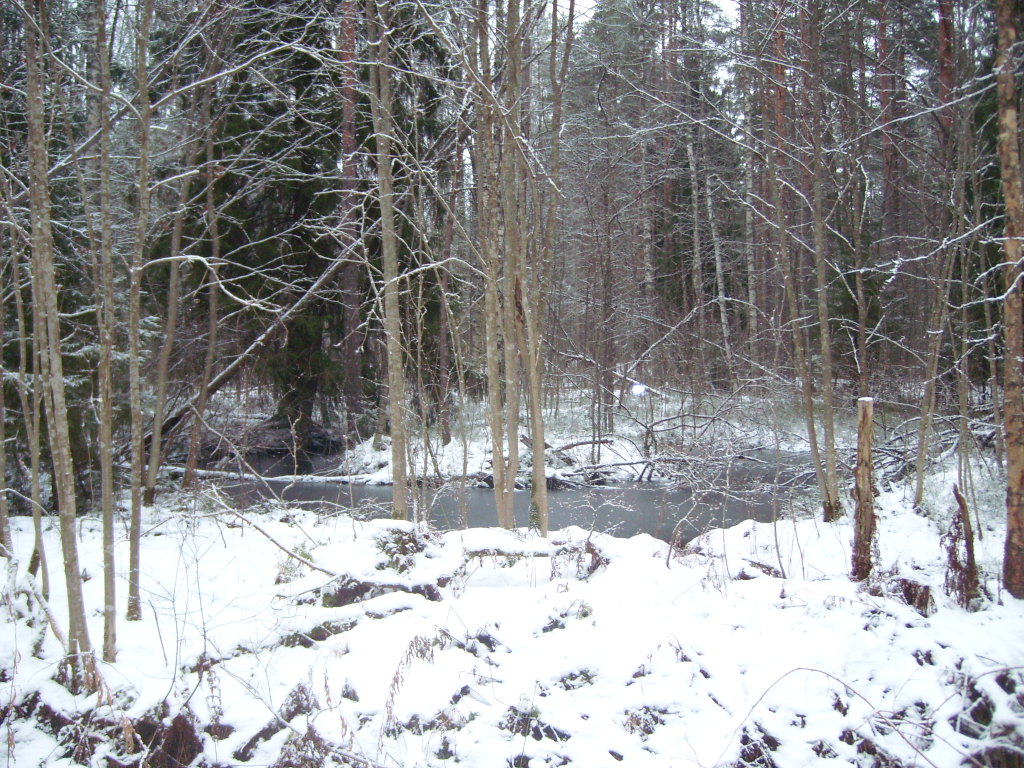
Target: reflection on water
{"points": [[749, 488]]}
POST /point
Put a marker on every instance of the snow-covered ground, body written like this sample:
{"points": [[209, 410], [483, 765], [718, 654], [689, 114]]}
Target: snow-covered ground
{"points": [[489, 648]]}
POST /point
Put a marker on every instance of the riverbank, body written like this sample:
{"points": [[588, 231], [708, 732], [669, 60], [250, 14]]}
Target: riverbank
{"points": [[394, 645], [678, 439]]}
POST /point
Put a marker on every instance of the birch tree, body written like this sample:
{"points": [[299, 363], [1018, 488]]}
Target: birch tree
{"points": [[535, 307], [143, 22], [106, 321], [47, 320], [379, 19], [5, 524]]}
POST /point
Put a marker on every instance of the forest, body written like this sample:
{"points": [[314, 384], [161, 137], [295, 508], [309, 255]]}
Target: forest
{"points": [[406, 229]]}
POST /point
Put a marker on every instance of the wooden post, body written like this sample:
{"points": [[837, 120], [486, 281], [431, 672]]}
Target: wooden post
{"points": [[864, 521]]}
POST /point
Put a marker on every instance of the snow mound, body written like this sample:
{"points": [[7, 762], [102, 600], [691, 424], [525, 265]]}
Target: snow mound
{"points": [[394, 645]]}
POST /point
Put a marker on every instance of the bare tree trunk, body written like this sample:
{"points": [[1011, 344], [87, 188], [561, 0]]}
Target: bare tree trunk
{"points": [[145, 17], [213, 319], [605, 358], [864, 492], [379, 346], [381, 106], [31, 407], [170, 328], [1013, 302], [212, 294], [940, 306], [854, 161], [444, 320], [11, 284], [991, 337], [644, 229], [860, 287], [723, 312], [750, 200], [106, 323], [936, 331], [776, 165], [696, 256], [495, 410], [5, 525], [191, 153], [8, 284], [487, 172], [48, 317], [536, 306], [962, 253], [513, 251], [886, 97], [512, 243], [352, 341], [832, 506]]}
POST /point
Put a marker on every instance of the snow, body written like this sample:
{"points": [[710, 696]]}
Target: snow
{"points": [[706, 424], [488, 647]]}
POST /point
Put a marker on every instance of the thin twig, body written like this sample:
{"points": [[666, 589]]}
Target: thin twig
{"points": [[281, 546]]}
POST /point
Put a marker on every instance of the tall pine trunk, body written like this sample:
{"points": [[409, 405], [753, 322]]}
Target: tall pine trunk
{"points": [[348, 227], [1013, 303]]}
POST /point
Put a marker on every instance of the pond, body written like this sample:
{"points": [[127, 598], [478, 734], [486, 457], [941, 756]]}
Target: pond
{"points": [[757, 485]]}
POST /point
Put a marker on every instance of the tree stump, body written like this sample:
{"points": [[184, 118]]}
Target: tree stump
{"points": [[863, 491]]}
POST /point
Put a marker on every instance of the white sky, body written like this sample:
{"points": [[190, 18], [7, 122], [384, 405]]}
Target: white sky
{"points": [[584, 8]]}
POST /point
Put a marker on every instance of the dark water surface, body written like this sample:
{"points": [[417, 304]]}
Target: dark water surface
{"points": [[758, 486]]}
